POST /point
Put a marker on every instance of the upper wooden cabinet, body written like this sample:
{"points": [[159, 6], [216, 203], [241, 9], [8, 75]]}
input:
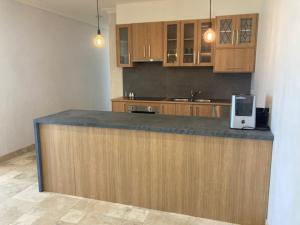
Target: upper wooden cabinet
{"points": [[124, 46], [172, 44], [237, 31], [147, 42], [185, 46], [181, 43], [236, 44], [189, 43], [205, 51]]}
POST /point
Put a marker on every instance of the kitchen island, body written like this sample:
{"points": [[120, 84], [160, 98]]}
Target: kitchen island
{"points": [[188, 165]]}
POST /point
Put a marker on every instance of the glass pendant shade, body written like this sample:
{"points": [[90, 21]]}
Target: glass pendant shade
{"points": [[209, 36], [99, 41]]}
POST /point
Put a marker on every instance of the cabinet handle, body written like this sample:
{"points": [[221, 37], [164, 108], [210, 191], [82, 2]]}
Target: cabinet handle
{"points": [[233, 35], [129, 58], [237, 37], [213, 111], [149, 51], [144, 51], [198, 57], [195, 58]]}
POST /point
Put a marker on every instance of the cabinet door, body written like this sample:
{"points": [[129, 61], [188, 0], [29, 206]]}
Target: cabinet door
{"points": [[171, 43], [221, 111], [203, 110], [205, 51], [246, 31], [139, 41], [225, 36], [184, 110], [124, 45], [188, 43], [168, 109], [155, 41], [119, 107], [235, 60]]}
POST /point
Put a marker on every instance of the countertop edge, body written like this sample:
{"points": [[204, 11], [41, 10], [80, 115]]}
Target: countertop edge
{"points": [[205, 133]]}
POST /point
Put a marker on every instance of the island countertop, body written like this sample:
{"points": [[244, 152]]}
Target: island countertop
{"points": [[156, 123]]}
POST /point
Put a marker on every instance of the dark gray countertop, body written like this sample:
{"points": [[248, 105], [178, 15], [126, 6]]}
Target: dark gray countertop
{"points": [[157, 123]]}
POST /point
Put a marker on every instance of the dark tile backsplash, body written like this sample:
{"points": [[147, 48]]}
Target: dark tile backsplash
{"points": [[154, 80]]}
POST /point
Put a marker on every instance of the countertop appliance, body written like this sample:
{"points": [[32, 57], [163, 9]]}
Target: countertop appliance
{"points": [[243, 112], [143, 109], [262, 118]]}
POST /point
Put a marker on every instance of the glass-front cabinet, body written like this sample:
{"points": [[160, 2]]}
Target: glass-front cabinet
{"points": [[237, 31], [185, 46], [225, 31], [189, 43], [205, 53], [124, 46], [172, 43], [246, 30]]}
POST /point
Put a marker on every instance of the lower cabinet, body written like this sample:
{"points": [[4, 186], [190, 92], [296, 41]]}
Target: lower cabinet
{"points": [[168, 109], [203, 110], [119, 107], [179, 109], [184, 110]]}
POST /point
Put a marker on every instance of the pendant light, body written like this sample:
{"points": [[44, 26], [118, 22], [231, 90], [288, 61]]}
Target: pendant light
{"points": [[99, 39], [210, 35]]}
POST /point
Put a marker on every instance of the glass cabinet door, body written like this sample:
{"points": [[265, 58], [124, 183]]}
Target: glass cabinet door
{"points": [[205, 50], [172, 41], [124, 46], [246, 30], [225, 31], [189, 43]]}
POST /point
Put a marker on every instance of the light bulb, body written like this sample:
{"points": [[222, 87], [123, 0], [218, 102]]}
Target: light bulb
{"points": [[99, 41], [209, 36]]}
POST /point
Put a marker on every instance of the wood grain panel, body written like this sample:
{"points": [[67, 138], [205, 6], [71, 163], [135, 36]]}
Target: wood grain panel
{"points": [[139, 41], [168, 109], [184, 110], [119, 106], [218, 178], [155, 41], [57, 159], [235, 60], [203, 110]]}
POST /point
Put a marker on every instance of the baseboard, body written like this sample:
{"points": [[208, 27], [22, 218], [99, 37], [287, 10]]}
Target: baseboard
{"points": [[16, 153]]}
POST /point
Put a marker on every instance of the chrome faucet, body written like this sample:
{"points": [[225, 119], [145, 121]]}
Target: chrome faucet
{"points": [[194, 94]]}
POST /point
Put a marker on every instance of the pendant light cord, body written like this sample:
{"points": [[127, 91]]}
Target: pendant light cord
{"points": [[98, 16], [210, 14]]}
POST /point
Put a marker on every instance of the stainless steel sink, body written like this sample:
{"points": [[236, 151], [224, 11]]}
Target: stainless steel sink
{"points": [[203, 100], [180, 99]]}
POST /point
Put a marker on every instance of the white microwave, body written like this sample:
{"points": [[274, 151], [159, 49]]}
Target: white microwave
{"points": [[243, 112]]}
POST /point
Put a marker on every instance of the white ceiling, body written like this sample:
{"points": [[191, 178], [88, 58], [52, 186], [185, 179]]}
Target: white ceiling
{"points": [[82, 10]]}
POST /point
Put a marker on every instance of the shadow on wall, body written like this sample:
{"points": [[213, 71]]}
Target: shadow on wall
{"points": [[154, 80]]}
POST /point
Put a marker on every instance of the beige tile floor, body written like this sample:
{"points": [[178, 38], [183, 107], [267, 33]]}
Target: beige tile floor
{"points": [[22, 204]]}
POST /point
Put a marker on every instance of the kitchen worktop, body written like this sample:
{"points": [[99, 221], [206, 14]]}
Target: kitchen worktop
{"points": [[156, 123], [169, 101]]}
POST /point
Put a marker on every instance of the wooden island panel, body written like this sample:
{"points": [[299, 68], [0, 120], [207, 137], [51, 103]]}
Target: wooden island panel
{"points": [[224, 179]]}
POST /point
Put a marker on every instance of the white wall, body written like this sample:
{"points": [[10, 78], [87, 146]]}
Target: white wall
{"points": [[178, 10], [277, 83], [47, 64], [116, 76]]}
